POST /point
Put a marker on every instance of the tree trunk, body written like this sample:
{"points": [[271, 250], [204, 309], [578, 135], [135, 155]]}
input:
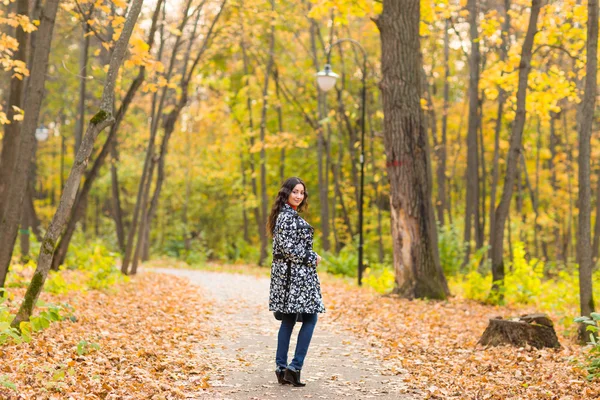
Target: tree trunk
{"points": [[554, 142], [496, 164], [596, 242], [146, 178], [244, 213], [321, 147], [34, 96], [441, 147], [101, 120], [251, 157], [337, 178], [262, 227], [497, 236], [584, 246], [116, 195], [380, 247], [79, 206], [472, 176], [168, 128], [25, 232], [416, 258], [279, 124], [10, 140], [567, 247], [536, 330], [482, 179], [83, 64]]}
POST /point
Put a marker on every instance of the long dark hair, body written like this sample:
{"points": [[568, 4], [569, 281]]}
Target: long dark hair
{"points": [[282, 198]]}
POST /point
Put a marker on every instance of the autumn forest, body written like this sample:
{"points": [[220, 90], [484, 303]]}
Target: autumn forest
{"points": [[451, 155]]}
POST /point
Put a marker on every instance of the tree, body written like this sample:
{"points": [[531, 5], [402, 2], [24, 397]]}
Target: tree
{"points": [[416, 259], [584, 245], [514, 153], [33, 101], [102, 119], [472, 178]]}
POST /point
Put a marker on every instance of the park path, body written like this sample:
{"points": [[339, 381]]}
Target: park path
{"points": [[337, 365]]}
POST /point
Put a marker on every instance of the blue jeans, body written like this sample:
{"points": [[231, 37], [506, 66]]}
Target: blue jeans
{"points": [[304, 337]]}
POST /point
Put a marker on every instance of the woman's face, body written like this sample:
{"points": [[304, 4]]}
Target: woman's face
{"points": [[297, 195]]}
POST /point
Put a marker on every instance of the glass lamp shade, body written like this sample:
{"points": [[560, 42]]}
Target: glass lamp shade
{"points": [[326, 78], [41, 133]]}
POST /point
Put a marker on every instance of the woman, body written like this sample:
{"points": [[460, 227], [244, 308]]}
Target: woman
{"points": [[295, 287]]}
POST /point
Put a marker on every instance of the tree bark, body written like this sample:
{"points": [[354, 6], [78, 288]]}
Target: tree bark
{"points": [[83, 65], [102, 119], [34, 96], [554, 142], [497, 236], [416, 258], [472, 205], [441, 147], [251, 157], [321, 147], [584, 246], [10, 140], [262, 228], [116, 195]]}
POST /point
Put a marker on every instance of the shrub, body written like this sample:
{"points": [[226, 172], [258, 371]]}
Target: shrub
{"points": [[345, 263], [593, 359], [380, 277], [452, 249], [523, 282]]}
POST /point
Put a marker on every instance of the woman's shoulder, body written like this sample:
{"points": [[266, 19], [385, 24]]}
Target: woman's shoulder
{"points": [[286, 217]]}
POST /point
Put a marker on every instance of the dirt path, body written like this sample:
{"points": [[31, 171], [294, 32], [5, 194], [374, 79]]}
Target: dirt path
{"points": [[337, 365]]}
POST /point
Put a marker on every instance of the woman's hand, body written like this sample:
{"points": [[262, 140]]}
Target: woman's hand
{"points": [[318, 259]]}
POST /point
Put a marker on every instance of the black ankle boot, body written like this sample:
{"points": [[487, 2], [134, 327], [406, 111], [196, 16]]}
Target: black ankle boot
{"points": [[293, 377], [280, 373]]}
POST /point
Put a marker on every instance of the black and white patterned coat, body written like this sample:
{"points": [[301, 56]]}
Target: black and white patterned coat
{"points": [[293, 242]]}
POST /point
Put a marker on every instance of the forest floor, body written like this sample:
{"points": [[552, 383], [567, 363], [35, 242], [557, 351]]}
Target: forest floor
{"points": [[194, 334]]}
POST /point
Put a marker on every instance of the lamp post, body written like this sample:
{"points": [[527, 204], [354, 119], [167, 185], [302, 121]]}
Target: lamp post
{"points": [[326, 80]]}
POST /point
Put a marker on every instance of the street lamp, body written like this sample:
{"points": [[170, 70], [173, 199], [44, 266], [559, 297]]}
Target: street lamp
{"points": [[41, 133], [326, 80]]}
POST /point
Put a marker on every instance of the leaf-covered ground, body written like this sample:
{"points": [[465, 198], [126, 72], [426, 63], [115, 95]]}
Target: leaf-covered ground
{"points": [[147, 331], [436, 343], [155, 333]]}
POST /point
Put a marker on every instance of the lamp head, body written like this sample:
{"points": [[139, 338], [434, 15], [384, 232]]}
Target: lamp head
{"points": [[41, 133], [326, 78]]}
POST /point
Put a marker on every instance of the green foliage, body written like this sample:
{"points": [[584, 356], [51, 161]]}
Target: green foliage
{"points": [[57, 284], [523, 282], [17, 275], [380, 277], [472, 284], [197, 253], [97, 263], [6, 383], [345, 263], [84, 347], [47, 313], [452, 249], [240, 250], [593, 359]]}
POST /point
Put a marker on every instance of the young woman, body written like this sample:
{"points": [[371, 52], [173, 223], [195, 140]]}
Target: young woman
{"points": [[295, 291]]}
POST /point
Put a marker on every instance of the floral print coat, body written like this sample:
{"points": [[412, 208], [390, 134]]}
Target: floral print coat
{"points": [[292, 242]]}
